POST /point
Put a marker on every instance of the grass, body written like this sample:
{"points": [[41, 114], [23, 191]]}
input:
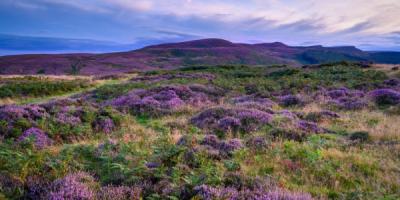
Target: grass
{"points": [[326, 165], [37, 89]]}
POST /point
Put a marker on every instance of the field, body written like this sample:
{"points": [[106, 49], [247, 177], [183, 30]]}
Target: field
{"points": [[328, 131]]}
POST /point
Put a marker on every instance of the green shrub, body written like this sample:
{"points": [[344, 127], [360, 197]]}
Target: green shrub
{"points": [[361, 136]]}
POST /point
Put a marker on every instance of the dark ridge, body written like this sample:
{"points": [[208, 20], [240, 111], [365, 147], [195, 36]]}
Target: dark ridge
{"points": [[203, 43], [190, 53]]}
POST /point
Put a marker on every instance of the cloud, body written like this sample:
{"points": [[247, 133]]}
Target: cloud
{"points": [[136, 5], [293, 21]]}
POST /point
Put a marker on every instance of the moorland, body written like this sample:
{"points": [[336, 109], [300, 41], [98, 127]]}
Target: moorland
{"points": [[320, 131]]}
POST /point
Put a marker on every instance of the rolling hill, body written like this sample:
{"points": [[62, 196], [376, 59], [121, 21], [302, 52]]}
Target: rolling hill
{"points": [[196, 52]]}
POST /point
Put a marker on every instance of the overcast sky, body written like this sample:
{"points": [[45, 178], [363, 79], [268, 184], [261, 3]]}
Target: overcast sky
{"points": [[372, 24]]}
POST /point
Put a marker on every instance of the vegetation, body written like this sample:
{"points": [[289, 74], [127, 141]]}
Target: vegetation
{"points": [[210, 132], [32, 86]]}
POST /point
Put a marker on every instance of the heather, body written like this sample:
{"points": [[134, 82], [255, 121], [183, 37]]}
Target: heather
{"points": [[209, 132]]}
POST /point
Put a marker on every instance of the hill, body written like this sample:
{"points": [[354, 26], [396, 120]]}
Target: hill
{"points": [[196, 52]]}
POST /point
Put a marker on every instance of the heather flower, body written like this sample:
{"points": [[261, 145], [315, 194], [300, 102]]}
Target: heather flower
{"points": [[165, 95], [68, 119], [36, 111], [287, 114], [123, 103], [199, 100], [105, 124], [310, 127], [210, 140], [337, 93], [348, 103], [206, 192], [385, 96], [76, 186], [344, 93], [229, 146], [229, 124], [36, 187], [224, 148], [38, 137], [147, 106], [174, 103], [206, 89], [250, 119], [160, 101], [392, 82], [13, 112], [119, 193], [9, 184], [152, 165]]}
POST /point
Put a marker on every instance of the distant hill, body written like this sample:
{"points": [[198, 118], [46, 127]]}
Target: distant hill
{"points": [[196, 52]]}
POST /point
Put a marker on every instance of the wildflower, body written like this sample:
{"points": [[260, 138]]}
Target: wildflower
{"points": [[39, 137], [76, 186]]}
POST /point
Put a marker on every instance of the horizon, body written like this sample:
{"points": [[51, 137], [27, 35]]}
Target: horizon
{"points": [[149, 22], [126, 47]]}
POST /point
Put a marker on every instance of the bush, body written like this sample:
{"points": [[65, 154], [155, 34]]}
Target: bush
{"points": [[231, 119], [290, 100], [385, 96], [361, 136]]}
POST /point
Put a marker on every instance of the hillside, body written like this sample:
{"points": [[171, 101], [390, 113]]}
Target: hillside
{"points": [[197, 52], [203, 133]]}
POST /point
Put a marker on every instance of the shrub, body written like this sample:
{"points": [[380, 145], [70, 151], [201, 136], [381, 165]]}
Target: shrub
{"points": [[119, 193], [290, 100], [73, 186], [385, 96], [161, 100], [104, 124], [223, 148], [348, 103], [222, 119], [206, 192], [310, 127], [18, 118], [392, 82], [361, 136], [37, 136]]}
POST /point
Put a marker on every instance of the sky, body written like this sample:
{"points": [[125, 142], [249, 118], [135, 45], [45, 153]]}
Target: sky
{"points": [[369, 25]]}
